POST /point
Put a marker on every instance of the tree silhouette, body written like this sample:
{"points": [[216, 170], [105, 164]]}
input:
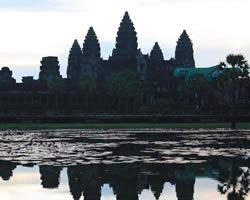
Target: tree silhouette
{"points": [[231, 75]]}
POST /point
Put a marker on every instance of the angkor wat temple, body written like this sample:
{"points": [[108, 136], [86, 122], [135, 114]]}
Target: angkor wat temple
{"points": [[155, 74], [125, 55]]}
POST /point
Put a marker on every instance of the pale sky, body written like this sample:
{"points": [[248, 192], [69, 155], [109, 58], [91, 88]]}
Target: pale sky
{"points": [[32, 29]]}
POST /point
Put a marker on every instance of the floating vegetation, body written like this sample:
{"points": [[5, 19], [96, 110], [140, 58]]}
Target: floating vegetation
{"points": [[113, 146]]}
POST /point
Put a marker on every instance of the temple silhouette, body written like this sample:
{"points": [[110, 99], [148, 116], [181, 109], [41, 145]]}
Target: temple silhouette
{"points": [[125, 55], [159, 78]]}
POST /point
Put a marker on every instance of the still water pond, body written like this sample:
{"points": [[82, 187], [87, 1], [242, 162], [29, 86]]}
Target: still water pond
{"points": [[144, 164]]}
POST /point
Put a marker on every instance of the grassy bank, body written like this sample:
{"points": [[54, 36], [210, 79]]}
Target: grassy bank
{"points": [[23, 126]]}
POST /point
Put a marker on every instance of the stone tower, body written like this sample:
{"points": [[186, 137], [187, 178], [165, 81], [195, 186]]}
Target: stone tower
{"points": [[91, 53], [126, 40], [6, 76], [184, 51], [49, 68], [74, 60], [156, 53], [91, 47]]}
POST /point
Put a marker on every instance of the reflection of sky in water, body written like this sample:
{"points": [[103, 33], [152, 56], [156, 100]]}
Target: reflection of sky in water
{"points": [[204, 189], [25, 184]]}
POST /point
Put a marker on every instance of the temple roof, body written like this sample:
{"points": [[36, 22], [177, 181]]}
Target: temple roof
{"points": [[126, 33], [184, 39], [156, 53], [126, 40], [187, 72], [184, 51], [75, 49], [74, 59], [91, 47]]}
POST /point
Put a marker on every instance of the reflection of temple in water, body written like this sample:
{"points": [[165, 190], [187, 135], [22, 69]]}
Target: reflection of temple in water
{"points": [[6, 170], [86, 181], [50, 176], [127, 180]]}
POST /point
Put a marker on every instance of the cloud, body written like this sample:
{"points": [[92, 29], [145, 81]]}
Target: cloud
{"points": [[40, 5]]}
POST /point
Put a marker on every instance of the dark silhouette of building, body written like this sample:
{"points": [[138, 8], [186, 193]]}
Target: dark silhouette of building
{"points": [[184, 51], [156, 53], [126, 41], [159, 78], [74, 61], [49, 69], [125, 55], [154, 73], [6, 76]]}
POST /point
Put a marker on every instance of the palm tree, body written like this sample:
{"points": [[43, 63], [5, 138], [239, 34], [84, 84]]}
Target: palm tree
{"points": [[233, 71]]}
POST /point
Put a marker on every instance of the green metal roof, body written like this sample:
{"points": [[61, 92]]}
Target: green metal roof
{"points": [[187, 72]]}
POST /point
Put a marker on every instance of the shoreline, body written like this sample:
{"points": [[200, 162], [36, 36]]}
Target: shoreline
{"points": [[43, 126]]}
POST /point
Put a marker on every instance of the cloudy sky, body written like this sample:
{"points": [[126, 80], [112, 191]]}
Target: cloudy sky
{"points": [[32, 29]]}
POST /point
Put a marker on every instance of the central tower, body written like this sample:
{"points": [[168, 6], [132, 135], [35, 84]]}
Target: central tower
{"points": [[126, 40], [184, 51]]}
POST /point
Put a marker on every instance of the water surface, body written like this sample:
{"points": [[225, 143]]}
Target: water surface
{"points": [[125, 164]]}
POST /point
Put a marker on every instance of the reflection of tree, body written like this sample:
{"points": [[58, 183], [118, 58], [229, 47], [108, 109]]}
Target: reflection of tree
{"points": [[50, 176], [234, 182], [6, 170]]}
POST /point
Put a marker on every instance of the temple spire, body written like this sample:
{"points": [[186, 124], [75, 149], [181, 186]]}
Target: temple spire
{"points": [[74, 60], [75, 47], [126, 40], [91, 47], [184, 51], [75, 50], [156, 53]]}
